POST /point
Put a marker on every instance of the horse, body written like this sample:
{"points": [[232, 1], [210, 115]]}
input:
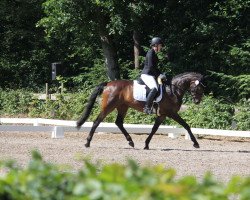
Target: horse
{"points": [[118, 95]]}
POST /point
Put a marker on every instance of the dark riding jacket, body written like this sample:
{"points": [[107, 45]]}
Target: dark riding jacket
{"points": [[150, 65]]}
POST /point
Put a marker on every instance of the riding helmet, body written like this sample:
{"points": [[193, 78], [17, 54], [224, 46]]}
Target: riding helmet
{"points": [[156, 41]]}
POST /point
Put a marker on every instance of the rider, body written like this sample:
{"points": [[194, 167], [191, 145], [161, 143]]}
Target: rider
{"points": [[151, 72]]}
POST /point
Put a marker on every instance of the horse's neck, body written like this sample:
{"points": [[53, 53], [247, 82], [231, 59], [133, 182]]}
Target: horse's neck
{"points": [[180, 87]]}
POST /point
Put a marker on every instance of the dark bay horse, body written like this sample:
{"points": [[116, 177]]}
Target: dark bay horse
{"points": [[119, 95]]}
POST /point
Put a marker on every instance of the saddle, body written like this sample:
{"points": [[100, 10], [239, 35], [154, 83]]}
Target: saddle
{"points": [[141, 90]]}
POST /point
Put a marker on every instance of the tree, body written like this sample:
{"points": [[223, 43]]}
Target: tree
{"points": [[88, 20], [22, 48], [88, 34], [207, 35]]}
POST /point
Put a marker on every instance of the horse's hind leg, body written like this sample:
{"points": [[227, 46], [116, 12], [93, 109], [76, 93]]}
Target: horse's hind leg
{"points": [[96, 123], [108, 105], [119, 122]]}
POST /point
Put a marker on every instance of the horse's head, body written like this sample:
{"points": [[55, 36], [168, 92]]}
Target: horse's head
{"points": [[196, 90], [189, 81]]}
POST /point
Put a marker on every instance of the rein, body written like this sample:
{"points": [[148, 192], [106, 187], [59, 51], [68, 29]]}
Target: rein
{"points": [[182, 90], [178, 87]]}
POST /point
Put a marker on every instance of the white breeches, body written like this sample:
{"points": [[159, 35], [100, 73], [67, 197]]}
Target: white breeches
{"points": [[149, 81]]}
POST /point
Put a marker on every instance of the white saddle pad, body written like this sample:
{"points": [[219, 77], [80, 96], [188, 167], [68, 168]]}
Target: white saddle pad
{"points": [[139, 92]]}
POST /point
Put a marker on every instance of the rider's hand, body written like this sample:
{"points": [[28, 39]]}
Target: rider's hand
{"points": [[162, 77]]}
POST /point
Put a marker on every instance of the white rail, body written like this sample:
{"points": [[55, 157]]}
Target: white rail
{"points": [[58, 127]]}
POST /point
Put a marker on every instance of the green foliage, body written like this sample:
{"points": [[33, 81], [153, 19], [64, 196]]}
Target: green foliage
{"points": [[206, 36], [41, 180], [233, 13], [210, 113], [242, 115], [209, 35], [67, 106], [92, 75], [233, 88], [22, 52], [15, 102]]}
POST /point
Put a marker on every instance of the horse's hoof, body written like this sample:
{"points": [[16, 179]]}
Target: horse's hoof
{"points": [[146, 148], [87, 145], [78, 127], [197, 145], [131, 143]]}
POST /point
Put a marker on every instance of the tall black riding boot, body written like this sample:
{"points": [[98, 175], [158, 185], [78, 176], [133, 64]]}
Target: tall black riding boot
{"points": [[149, 102]]}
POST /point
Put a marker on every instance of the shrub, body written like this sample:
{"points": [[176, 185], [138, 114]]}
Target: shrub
{"points": [[210, 113], [242, 115], [233, 88], [41, 180], [15, 102]]}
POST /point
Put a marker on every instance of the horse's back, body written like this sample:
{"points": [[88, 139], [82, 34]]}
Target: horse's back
{"points": [[120, 83], [121, 89]]}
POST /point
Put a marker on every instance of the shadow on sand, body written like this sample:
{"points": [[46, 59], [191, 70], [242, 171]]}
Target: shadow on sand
{"points": [[207, 150]]}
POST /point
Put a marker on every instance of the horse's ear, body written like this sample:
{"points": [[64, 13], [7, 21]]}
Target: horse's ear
{"points": [[203, 80], [205, 77]]}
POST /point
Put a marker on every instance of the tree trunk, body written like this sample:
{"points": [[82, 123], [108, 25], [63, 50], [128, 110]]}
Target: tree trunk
{"points": [[110, 56], [136, 49]]}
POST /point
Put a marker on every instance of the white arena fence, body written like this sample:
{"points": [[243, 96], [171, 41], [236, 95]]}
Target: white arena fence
{"points": [[58, 127]]}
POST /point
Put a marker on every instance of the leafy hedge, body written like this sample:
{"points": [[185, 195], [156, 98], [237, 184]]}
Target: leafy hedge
{"points": [[211, 113], [41, 180], [232, 88], [242, 115], [14, 102]]}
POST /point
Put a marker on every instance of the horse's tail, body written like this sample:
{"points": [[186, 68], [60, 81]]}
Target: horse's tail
{"points": [[98, 90]]}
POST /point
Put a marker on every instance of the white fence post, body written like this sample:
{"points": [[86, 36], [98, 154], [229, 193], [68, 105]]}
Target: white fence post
{"points": [[36, 122], [174, 135], [58, 132]]}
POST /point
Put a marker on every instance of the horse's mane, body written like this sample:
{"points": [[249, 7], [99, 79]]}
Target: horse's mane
{"points": [[188, 74]]}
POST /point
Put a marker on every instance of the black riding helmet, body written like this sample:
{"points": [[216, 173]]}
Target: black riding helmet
{"points": [[156, 41]]}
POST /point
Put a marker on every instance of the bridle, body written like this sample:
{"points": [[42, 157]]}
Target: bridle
{"points": [[196, 82]]}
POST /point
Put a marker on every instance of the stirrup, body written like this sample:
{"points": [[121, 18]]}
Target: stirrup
{"points": [[147, 110]]}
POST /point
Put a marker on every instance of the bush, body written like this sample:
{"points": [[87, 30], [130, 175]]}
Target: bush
{"points": [[242, 115], [233, 88], [41, 180], [67, 106], [210, 113], [15, 102]]}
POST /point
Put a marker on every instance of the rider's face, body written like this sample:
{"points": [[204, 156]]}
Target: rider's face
{"points": [[159, 47]]}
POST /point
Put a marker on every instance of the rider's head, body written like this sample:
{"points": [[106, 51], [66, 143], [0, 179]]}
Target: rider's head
{"points": [[156, 44]]}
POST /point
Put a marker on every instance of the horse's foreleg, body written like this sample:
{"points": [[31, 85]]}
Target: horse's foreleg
{"points": [[181, 121], [119, 122], [158, 122]]}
